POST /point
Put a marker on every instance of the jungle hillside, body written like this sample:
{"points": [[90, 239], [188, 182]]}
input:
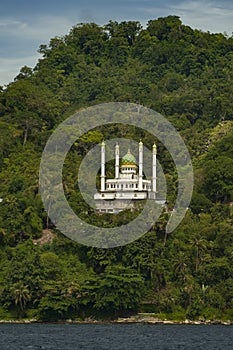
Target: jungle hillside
{"points": [[184, 74]]}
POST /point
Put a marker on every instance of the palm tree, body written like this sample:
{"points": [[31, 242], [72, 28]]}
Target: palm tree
{"points": [[200, 245], [180, 264], [21, 294]]}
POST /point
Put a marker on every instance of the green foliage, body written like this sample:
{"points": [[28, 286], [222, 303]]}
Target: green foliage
{"points": [[118, 288], [182, 73]]}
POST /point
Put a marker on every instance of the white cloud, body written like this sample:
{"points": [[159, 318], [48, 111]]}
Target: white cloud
{"points": [[6, 23], [42, 27], [213, 16], [19, 41], [10, 67]]}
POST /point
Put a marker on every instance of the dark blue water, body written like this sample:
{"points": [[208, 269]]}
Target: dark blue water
{"points": [[114, 337]]}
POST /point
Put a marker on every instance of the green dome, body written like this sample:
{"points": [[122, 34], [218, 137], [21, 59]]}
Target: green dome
{"points": [[128, 159]]}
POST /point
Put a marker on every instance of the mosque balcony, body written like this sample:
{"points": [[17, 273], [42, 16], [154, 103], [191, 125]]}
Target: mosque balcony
{"points": [[122, 186], [130, 195]]}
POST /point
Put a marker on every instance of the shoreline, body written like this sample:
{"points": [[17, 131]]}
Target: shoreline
{"points": [[127, 320]]}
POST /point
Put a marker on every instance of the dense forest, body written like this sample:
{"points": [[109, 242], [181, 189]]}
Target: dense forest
{"points": [[182, 73]]}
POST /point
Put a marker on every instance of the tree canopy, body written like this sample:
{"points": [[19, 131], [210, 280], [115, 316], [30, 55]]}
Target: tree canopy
{"points": [[186, 75]]}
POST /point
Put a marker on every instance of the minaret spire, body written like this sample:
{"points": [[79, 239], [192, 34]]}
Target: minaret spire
{"points": [[102, 166], [154, 168], [117, 161], [140, 163]]}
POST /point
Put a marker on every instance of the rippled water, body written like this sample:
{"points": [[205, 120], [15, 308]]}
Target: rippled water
{"points": [[113, 337]]}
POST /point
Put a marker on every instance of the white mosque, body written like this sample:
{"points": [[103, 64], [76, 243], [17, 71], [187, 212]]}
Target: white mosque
{"points": [[128, 186]]}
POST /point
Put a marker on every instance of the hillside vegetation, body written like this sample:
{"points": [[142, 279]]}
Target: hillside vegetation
{"points": [[182, 73]]}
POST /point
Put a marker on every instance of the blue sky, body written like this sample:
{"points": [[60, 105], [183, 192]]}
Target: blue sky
{"points": [[24, 24]]}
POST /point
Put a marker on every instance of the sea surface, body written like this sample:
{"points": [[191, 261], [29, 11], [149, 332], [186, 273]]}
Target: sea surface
{"points": [[115, 336]]}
